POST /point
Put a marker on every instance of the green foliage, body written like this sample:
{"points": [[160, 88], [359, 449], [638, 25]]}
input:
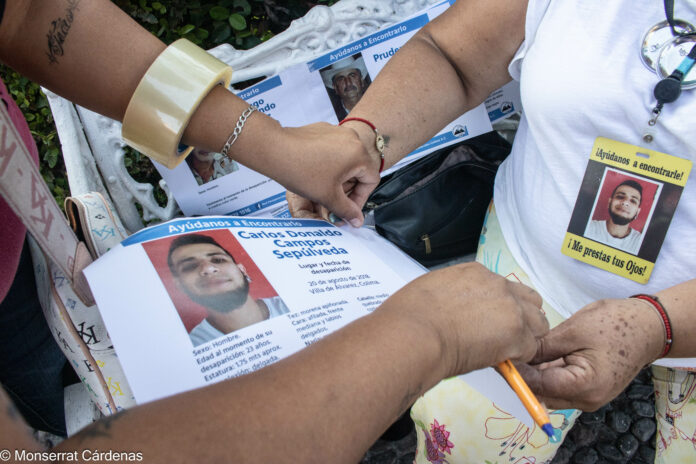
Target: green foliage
{"points": [[34, 106], [241, 23]]}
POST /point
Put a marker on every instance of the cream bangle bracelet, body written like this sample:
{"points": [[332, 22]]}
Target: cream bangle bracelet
{"points": [[166, 98]]}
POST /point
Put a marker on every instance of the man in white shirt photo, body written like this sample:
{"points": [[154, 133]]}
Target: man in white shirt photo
{"points": [[210, 276], [624, 207]]}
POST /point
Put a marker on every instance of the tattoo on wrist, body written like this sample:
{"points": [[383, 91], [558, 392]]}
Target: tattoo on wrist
{"points": [[58, 31], [386, 140]]}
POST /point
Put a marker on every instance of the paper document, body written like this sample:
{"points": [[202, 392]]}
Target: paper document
{"points": [[177, 283], [165, 294]]}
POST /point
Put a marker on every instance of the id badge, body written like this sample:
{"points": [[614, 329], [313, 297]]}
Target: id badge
{"points": [[624, 208]]}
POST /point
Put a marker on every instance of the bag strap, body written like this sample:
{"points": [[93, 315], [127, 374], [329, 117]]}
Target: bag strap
{"points": [[93, 220], [23, 188]]}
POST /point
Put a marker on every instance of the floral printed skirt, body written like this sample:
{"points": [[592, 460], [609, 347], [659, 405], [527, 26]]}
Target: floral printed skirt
{"points": [[675, 412]]}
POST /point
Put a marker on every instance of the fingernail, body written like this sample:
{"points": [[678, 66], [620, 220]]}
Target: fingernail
{"points": [[355, 222]]}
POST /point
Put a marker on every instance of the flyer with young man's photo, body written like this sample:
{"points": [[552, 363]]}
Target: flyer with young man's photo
{"points": [[205, 299], [195, 301]]}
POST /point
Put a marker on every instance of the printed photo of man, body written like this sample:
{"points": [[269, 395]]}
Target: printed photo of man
{"points": [[624, 207], [210, 276], [206, 166], [346, 81]]}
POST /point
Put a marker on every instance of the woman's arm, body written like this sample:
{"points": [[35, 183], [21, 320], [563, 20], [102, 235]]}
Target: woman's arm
{"points": [[330, 401], [449, 67], [590, 358]]}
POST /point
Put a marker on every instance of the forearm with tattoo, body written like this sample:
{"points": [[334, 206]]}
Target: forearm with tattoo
{"points": [[58, 32]]}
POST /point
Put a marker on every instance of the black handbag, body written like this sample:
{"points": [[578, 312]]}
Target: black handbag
{"points": [[433, 209]]}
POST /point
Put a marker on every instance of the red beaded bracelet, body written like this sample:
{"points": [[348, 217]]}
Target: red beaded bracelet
{"points": [[655, 302], [379, 141]]}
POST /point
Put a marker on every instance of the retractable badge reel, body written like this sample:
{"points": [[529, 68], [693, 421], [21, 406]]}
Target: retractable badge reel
{"points": [[669, 49]]}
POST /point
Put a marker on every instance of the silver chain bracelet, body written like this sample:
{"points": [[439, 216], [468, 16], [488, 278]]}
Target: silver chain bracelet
{"points": [[237, 129]]}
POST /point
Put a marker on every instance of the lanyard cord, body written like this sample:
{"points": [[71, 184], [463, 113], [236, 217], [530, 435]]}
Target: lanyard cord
{"points": [[669, 88], [669, 13]]}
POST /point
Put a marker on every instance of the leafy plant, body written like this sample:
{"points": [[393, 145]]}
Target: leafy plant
{"points": [[34, 106], [242, 23]]}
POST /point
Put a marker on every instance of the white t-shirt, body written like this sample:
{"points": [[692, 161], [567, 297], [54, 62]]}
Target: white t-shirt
{"points": [[205, 332], [581, 77], [597, 231]]}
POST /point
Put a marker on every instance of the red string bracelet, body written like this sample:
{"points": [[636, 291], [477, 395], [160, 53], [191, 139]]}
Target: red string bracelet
{"points": [[653, 300], [379, 141]]}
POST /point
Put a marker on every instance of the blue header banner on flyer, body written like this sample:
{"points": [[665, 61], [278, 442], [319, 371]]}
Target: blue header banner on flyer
{"points": [[259, 205], [498, 113], [181, 226], [260, 88], [285, 213], [369, 41], [442, 140]]}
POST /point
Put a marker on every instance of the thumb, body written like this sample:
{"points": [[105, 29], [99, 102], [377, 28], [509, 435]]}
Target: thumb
{"points": [[558, 343], [346, 209], [361, 192], [556, 387], [556, 382]]}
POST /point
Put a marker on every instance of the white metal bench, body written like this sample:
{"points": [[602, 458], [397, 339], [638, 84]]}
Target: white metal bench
{"points": [[92, 146]]}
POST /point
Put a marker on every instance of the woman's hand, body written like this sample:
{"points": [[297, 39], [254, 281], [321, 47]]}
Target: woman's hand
{"points": [[479, 317], [590, 358], [337, 173]]}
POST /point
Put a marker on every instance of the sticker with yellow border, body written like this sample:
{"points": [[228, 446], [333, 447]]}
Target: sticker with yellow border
{"points": [[626, 202]]}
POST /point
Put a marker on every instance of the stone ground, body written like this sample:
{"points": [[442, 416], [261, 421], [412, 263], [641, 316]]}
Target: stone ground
{"points": [[623, 431]]}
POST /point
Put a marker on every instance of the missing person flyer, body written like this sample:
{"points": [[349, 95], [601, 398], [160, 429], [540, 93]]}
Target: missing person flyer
{"points": [[195, 301], [322, 90], [192, 302], [626, 203]]}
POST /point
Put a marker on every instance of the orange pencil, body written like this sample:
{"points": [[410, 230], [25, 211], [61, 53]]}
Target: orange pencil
{"points": [[530, 402]]}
